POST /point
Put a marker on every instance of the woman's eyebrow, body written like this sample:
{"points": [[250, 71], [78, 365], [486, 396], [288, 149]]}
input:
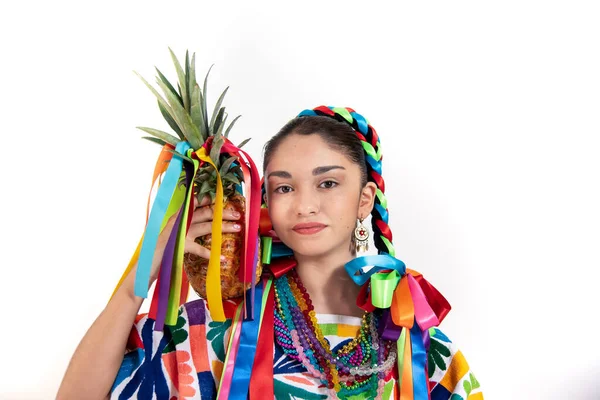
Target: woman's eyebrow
{"points": [[315, 172], [322, 170], [281, 174]]}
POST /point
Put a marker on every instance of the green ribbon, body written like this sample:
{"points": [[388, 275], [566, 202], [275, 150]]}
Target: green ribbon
{"points": [[383, 285]]}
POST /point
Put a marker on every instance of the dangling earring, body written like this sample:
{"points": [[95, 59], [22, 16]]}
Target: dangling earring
{"points": [[361, 235]]}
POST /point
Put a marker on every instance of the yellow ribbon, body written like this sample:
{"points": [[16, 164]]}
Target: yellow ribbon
{"points": [[213, 274]]}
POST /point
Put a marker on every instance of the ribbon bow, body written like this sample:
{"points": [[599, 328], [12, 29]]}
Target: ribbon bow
{"points": [[411, 307]]}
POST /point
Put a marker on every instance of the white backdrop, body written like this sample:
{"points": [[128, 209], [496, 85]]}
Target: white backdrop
{"points": [[489, 118]]}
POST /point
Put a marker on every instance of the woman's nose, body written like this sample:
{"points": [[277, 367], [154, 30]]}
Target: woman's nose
{"points": [[306, 203]]}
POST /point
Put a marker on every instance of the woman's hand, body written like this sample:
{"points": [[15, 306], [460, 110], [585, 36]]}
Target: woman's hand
{"points": [[201, 225]]}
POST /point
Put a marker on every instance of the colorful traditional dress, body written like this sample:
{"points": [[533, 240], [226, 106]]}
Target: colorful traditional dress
{"points": [[185, 361]]}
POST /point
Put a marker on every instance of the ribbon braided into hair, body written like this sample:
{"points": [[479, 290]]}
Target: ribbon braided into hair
{"points": [[373, 157]]}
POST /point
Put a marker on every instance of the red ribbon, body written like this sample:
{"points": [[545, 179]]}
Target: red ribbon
{"points": [[261, 379]]}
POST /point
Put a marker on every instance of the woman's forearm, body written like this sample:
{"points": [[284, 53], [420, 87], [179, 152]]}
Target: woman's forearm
{"points": [[96, 361]]}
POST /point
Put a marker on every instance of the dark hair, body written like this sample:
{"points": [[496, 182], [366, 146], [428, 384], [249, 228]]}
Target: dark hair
{"points": [[338, 135]]}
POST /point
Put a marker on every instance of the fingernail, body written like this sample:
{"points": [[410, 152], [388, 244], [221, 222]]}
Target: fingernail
{"points": [[235, 214], [236, 226]]}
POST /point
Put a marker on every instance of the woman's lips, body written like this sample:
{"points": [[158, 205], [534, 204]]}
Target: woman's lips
{"points": [[308, 228]]}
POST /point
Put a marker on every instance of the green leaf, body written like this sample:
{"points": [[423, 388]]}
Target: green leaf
{"points": [[203, 176], [187, 77], [474, 381], [171, 121], [243, 143], [192, 73], [186, 158], [183, 119], [182, 83], [205, 187], [155, 140], [160, 99], [218, 107], [160, 134], [166, 82], [231, 126], [217, 121], [225, 166], [467, 386], [439, 361], [288, 391], [219, 131], [215, 150], [196, 111], [204, 127], [430, 366], [440, 348], [204, 98], [230, 177]]}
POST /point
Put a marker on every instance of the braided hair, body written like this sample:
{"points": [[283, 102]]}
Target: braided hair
{"points": [[349, 132]]}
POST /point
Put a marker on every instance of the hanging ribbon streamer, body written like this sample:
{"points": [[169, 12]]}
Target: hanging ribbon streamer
{"points": [[242, 348], [247, 275], [213, 274], [157, 215], [179, 283], [260, 386]]}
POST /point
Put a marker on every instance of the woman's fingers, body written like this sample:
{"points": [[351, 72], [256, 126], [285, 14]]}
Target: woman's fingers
{"points": [[195, 248], [203, 214], [205, 201], [204, 228]]}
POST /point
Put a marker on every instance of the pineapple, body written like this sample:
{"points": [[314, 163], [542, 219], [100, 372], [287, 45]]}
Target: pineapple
{"points": [[186, 113]]}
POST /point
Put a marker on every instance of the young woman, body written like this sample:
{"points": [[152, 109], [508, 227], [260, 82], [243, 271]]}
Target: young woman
{"points": [[322, 175]]}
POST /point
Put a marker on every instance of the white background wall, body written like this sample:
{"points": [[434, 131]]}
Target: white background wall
{"points": [[489, 117]]}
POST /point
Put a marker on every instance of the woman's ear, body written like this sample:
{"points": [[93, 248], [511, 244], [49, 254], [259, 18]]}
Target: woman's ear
{"points": [[367, 200]]}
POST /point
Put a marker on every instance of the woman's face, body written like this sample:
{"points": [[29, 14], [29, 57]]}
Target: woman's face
{"points": [[314, 196]]}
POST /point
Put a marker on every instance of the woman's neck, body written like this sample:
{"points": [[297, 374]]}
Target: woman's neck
{"points": [[330, 288]]}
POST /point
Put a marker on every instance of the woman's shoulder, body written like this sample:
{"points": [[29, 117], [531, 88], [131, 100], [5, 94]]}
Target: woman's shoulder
{"points": [[449, 370]]}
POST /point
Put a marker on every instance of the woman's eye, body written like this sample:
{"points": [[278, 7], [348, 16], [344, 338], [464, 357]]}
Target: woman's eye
{"points": [[283, 189], [328, 184]]}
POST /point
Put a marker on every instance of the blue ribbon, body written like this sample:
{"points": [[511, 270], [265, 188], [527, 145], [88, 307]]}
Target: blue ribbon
{"points": [[379, 263], [157, 215], [376, 165], [419, 360], [280, 250], [382, 211], [363, 126], [240, 381]]}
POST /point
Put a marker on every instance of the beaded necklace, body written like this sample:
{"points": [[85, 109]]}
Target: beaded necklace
{"points": [[358, 367]]}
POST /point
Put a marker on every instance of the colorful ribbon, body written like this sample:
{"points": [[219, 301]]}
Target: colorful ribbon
{"points": [[241, 350], [411, 306], [172, 285], [157, 216]]}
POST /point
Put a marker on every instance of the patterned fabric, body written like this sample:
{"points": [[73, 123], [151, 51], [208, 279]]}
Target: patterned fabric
{"points": [[185, 361]]}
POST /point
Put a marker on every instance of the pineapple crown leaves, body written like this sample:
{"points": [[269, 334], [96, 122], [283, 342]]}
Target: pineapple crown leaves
{"points": [[185, 109], [186, 112]]}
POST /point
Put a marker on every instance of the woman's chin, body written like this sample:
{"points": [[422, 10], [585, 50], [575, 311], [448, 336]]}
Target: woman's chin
{"points": [[316, 250]]}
